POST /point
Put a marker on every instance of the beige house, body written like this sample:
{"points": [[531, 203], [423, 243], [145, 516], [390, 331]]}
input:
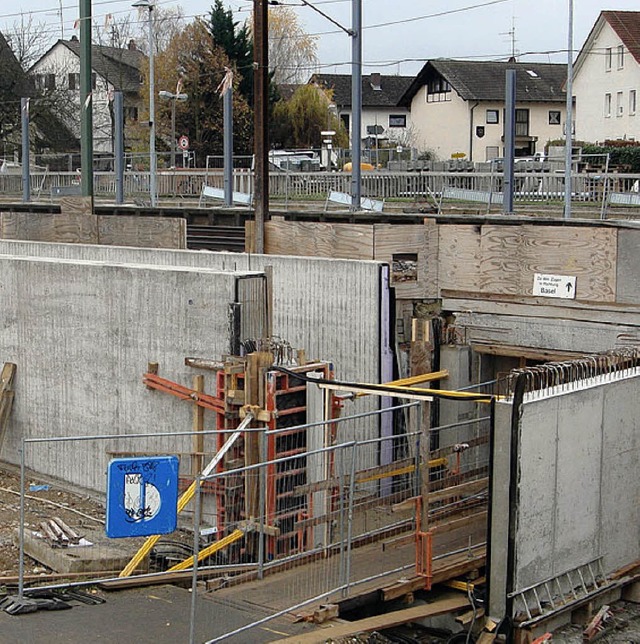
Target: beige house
{"points": [[607, 79], [457, 107]]}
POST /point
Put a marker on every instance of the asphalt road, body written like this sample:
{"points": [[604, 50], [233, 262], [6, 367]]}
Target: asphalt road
{"points": [[155, 615]]}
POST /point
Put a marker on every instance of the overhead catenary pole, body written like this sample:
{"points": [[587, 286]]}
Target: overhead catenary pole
{"points": [[152, 114], [569, 119], [118, 114], [26, 163], [226, 89], [260, 119], [86, 101], [509, 140], [356, 104]]}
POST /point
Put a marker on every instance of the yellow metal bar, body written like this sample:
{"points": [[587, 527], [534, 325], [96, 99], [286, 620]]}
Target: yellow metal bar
{"points": [[209, 550], [415, 380], [436, 462]]}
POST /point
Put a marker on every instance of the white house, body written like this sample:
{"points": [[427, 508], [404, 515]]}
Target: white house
{"points": [[383, 121], [57, 73], [457, 107], [607, 79]]}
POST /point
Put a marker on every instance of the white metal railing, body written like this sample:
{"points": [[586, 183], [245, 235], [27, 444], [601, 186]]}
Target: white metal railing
{"points": [[529, 186]]}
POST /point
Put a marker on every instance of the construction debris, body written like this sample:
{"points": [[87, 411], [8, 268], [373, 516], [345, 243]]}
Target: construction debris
{"points": [[59, 534]]}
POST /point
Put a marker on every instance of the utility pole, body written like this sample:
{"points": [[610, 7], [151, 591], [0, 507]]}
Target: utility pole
{"points": [[509, 140], [26, 164], [86, 101], [569, 120], [260, 119], [226, 89], [118, 114], [356, 104]]}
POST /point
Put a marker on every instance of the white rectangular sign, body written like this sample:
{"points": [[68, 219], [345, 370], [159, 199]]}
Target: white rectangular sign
{"points": [[561, 286]]}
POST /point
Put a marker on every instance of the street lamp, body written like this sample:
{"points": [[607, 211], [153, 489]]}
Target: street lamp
{"points": [[150, 6], [174, 98]]}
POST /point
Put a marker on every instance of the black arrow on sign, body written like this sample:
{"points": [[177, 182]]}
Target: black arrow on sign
{"points": [[569, 287]]}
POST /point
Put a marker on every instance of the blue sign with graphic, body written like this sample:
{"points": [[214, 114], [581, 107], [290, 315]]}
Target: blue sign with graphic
{"points": [[142, 496]]}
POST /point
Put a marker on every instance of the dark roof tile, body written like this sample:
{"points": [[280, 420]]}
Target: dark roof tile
{"points": [[391, 89]]}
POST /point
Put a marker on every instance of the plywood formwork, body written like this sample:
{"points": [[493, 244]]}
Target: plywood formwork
{"points": [[80, 228]]}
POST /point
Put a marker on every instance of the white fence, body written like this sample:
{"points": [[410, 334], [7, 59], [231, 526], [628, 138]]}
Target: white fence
{"points": [[187, 184]]}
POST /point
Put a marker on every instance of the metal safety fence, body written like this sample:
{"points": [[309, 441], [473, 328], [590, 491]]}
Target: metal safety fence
{"points": [[328, 517]]}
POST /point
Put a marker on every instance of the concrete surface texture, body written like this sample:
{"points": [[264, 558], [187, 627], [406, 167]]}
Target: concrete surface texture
{"points": [[578, 483], [331, 308], [82, 334]]}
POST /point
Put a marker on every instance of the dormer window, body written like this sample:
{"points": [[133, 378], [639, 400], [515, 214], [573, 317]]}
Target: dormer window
{"points": [[376, 82]]}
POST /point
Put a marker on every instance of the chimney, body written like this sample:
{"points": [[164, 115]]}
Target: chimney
{"points": [[375, 82], [74, 38], [132, 45]]}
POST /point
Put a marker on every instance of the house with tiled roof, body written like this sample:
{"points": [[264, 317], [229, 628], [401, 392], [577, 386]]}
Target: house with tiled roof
{"points": [[607, 79], [57, 73], [457, 107], [383, 120]]}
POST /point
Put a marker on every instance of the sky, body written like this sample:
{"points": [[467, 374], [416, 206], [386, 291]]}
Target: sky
{"points": [[398, 36]]}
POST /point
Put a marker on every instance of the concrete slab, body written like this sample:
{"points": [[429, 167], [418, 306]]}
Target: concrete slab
{"points": [[104, 554]]}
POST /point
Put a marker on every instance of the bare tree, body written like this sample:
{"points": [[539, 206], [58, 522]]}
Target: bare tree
{"points": [[292, 51], [28, 40]]}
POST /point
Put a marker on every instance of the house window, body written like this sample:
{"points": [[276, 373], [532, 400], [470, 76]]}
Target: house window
{"points": [[345, 121], [46, 81], [74, 81], [94, 80], [492, 152], [438, 89], [493, 117], [131, 113], [607, 105], [608, 59], [397, 120], [632, 101], [554, 117], [522, 122], [620, 56], [619, 106]]}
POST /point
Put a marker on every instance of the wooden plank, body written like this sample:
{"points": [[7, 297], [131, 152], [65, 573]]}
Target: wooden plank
{"points": [[74, 205], [388, 620], [315, 239], [537, 307], [459, 257], [198, 426], [628, 268], [511, 255], [454, 568], [458, 490], [443, 528], [44, 227], [144, 232]]}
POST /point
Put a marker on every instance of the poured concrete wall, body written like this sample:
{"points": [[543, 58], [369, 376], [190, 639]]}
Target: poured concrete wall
{"points": [[135, 298], [577, 483], [82, 333]]}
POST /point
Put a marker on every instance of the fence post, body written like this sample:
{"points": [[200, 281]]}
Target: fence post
{"points": [[196, 552], [352, 485], [22, 518]]}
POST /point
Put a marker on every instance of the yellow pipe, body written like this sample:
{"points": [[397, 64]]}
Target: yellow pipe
{"points": [[415, 380], [209, 550]]}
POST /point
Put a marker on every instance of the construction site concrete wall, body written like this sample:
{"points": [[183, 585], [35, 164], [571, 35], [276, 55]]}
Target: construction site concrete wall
{"points": [[576, 488], [105, 302], [82, 333]]}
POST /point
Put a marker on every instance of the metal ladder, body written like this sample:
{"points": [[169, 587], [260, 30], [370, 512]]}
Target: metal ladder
{"points": [[551, 595]]}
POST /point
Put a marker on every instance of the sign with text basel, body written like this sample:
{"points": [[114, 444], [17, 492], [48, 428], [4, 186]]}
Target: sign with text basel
{"points": [[560, 286], [142, 496]]}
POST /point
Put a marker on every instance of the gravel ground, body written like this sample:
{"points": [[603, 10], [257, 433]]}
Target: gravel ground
{"points": [[38, 507]]}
